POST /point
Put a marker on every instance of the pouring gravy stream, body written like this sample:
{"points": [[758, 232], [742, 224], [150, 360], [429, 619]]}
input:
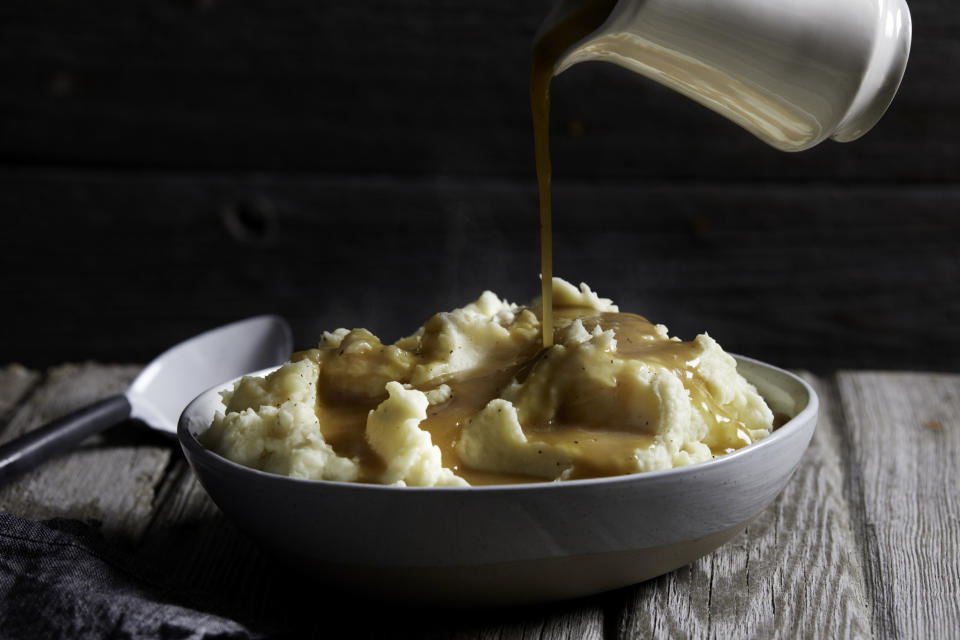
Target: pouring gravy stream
{"points": [[601, 446], [548, 48]]}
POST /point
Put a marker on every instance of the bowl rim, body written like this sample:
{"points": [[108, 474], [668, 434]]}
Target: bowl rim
{"points": [[808, 413]]}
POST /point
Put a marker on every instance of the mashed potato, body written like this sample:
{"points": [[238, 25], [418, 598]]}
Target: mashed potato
{"points": [[472, 398]]}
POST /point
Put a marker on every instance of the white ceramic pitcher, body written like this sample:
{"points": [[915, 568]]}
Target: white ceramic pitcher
{"points": [[792, 72]]}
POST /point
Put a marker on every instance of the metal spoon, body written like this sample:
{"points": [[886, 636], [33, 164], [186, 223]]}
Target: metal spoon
{"points": [[162, 390]]}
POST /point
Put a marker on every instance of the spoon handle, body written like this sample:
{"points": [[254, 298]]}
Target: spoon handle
{"points": [[28, 451]]}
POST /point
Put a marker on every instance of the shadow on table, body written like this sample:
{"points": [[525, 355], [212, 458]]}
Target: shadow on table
{"points": [[211, 565]]}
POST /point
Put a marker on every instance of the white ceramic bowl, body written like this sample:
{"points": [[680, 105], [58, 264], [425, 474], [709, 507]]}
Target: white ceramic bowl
{"points": [[510, 543]]}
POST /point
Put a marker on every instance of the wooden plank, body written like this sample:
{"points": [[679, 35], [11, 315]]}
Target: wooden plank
{"points": [[804, 276], [568, 621], [421, 88], [905, 459], [189, 528], [15, 382], [795, 572], [108, 481], [818, 559]]}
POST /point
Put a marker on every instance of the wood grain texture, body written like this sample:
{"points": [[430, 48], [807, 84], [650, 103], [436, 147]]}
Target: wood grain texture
{"points": [[803, 276], [861, 543], [821, 585], [795, 572], [108, 480], [905, 456], [418, 88], [15, 382]]}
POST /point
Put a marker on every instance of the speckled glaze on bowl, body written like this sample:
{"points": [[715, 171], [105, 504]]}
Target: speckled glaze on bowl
{"points": [[509, 544]]}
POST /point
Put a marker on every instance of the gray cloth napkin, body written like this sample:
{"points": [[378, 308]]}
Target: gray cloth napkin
{"points": [[59, 580], [63, 579]]}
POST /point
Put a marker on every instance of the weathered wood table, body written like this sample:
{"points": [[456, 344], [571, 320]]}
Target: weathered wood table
{"points": [[863, 542]]}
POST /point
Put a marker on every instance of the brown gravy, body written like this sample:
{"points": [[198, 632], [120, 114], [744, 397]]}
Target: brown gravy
{"points": [[637, 338], [601, 449]]}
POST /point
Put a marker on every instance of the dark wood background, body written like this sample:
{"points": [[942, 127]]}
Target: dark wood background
{"points": [[169, 165]]}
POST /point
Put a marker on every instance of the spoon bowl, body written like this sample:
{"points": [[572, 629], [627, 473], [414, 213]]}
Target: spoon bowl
{"points": [[161, 391], [508, 544], [165, 386]]}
